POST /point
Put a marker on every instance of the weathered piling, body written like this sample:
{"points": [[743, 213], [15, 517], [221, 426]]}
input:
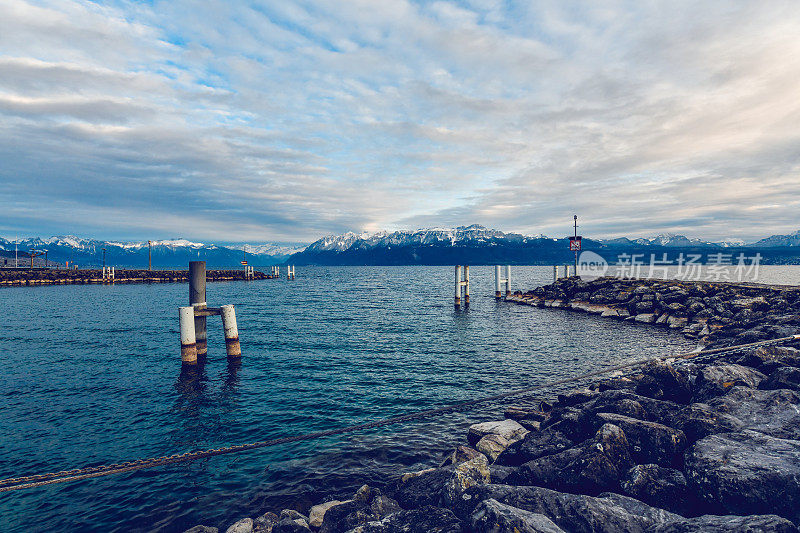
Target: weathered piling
{"points": [[500, 281], [290, 272], [197, 297], [461, 284], [186, 320], [555, 273], [232, 347]]}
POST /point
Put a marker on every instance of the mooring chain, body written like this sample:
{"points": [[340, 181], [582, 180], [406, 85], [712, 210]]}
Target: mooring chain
{"points": [[37, 480]]}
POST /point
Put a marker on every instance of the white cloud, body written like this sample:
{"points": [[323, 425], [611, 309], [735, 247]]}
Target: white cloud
{"points": [[287, 120]]}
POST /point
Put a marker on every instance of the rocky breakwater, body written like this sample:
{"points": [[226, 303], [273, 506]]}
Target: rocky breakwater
{"points": [[721, 314], [68, 277], [674, 446]]}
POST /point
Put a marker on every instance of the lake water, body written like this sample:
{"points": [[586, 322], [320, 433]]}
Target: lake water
{"points": [[91, 375]]}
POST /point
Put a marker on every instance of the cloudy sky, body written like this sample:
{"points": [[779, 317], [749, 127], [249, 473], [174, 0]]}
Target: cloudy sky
{"points": [[289, 119]]}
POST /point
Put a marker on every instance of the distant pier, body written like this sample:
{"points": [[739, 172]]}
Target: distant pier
{"points": [[10, 278]]}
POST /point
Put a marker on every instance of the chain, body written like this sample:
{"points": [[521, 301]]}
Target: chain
{"points": [[38, 480]]}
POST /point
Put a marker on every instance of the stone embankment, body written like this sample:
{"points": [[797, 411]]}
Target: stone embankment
{"points": [[70, 277], [721, 314], [674, 446]]}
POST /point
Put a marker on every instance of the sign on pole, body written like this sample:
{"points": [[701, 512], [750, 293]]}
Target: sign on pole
{"points": [[575, 243]]}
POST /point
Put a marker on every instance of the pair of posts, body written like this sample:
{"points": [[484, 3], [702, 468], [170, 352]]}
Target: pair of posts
{"points": [[194, 339], [500, 281]]}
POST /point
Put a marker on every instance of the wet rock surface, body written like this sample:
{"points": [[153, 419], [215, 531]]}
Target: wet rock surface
{"points": [[708, 444]]}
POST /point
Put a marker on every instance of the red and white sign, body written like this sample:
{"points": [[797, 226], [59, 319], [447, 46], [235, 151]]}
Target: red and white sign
{"points": [[575, 244], [243, 262]]}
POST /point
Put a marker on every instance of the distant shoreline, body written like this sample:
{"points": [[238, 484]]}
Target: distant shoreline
{"points": [[37, 277]]}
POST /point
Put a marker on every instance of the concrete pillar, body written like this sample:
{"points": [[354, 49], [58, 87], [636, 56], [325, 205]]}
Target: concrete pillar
{"points": [[188, 339], [457, 300], [197, 297], [232, 346], [497, 293], [466, 285]]}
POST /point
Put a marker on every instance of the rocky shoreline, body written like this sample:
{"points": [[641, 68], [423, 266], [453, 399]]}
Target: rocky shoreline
{"points": [[15, 278], [683, 445]]}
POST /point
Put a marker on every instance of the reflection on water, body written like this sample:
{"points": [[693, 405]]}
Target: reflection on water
{"points": [[338, 346]]}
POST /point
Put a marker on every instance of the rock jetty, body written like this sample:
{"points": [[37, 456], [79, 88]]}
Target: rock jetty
{"points": [[706, 444]]}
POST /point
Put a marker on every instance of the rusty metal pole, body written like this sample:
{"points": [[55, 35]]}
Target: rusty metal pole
{"points": [[197, 297]]}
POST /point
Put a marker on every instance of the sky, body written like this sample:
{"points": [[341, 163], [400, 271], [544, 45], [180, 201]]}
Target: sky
{"points": [[286, 120]]}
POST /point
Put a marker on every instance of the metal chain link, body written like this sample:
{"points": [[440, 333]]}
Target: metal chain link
{"points": [[38, 480]]}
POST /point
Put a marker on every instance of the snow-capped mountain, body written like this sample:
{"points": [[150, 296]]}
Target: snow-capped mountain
{"points": [[793, 239], [168, 253]]}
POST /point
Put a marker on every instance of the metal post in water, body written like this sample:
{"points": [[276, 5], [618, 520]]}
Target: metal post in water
{"points": [[566, 271], [232, 346], [186, 320], [508, 280], [197, 297], [458, 286], [555, 273], [466, 286], [497, 293]]}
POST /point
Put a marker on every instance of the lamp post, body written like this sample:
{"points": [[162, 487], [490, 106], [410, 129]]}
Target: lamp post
{"points": [[149, 255]]}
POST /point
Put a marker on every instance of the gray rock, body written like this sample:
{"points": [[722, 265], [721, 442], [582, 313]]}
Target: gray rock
{"points": [[382, 506], [500, 474], [785, 377], [747, 473], [576, 513], [427, 519], [657, 486], [289, 525], [465, 475], [422, 488], [266, 521], [732, 524], [592, 467], [700, 420], [675, 385], [202, 529], [768, 358], [650, 442], [772, 412], [508, 429], [459, 455], [492, 516], [576, 397], [716, 380], [534, 445], [245, 525], [294, 515], [317, 513]]}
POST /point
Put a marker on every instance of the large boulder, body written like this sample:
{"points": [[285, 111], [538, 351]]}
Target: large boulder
{"points": [[492, 516], [785, 377], [465, 475], [422, 488], [773, 412], [317, 512], [427, 519], [700, 420], [675, 385], [534, 445], [576, 513], [460, 455], [245, 525], [768, 358], [657, 486], [592, 467], [747, 473], [650, 442], [716, 380], [510, 430], [728, 524], [367, 505]]}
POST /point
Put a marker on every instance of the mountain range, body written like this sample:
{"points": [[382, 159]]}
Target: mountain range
{"points": [[479, 245], [175, 253], [473, 244]]}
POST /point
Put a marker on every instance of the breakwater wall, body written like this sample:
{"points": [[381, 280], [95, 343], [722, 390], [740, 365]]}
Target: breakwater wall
{"points": [[684, 445], [718, 314], [68, 277]]}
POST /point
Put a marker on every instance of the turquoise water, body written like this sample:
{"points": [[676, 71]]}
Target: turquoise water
{"points": [[91, 375]]}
